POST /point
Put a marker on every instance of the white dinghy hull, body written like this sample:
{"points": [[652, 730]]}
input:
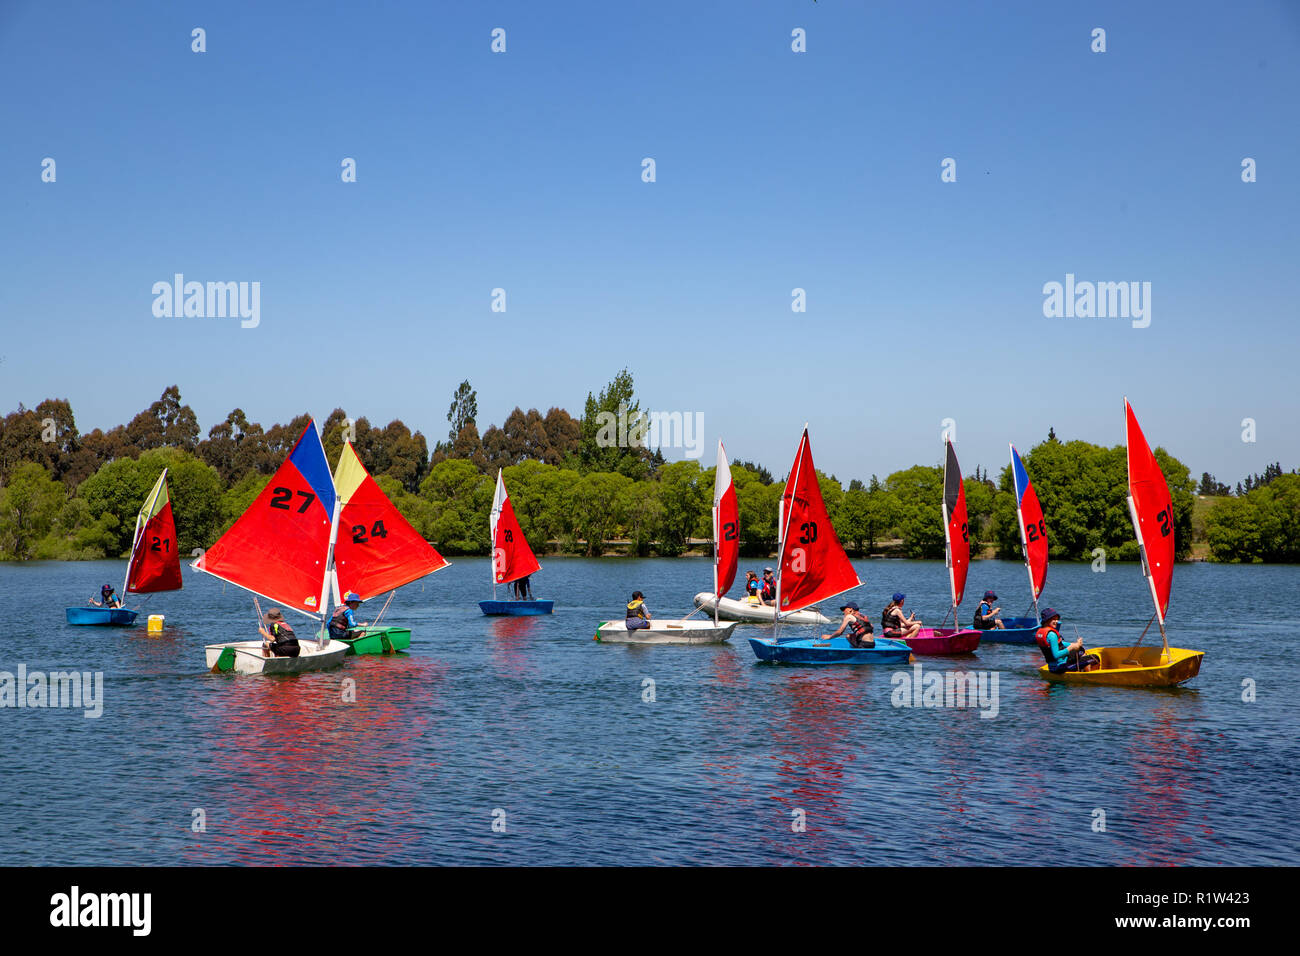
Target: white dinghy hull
{"points": [[733, 610], [665, 632], [249, 659]]}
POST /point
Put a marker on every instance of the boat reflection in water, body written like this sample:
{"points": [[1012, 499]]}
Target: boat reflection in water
{"points": [[817, 737], [294, 777], [512, 639], [1160, 821]]}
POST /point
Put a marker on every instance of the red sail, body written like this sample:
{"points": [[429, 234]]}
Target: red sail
{"points": [[814, 566], [377, 549], [726, 527], [1152, 510], [956, 530], [511, 557], [279, 547], [155, 565], [1033, 527]]}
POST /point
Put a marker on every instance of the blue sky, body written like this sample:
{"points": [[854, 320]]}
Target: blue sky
{"points": [[775, 170]]}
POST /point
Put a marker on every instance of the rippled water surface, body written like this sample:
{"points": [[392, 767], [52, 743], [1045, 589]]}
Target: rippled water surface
{"points": [[531, 717]]}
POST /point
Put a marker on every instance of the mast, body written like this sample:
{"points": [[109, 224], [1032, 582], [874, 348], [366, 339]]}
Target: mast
{"points": [[782, 531], [947, 539], [329, 574], [1024, 538], [716, 597], [493, 516]]}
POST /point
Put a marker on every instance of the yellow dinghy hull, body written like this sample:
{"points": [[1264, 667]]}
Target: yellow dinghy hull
{"points": [[1134, 667]]}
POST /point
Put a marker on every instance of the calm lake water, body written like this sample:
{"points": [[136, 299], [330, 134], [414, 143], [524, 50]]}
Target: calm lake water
{"points": [[531, 717]]}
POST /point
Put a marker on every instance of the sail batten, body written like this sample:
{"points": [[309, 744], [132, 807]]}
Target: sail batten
{"points": [[813, 566]]}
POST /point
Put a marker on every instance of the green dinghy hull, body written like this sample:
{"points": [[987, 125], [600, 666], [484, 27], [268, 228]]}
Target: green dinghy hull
{"points": [[378, 640]]}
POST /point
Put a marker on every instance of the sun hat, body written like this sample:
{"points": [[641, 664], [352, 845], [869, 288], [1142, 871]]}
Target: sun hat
{"points": [[851, 605], [1049, 613], [351, 596], [989, 595]]}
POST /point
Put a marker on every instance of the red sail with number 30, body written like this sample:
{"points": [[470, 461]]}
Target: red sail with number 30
{"points": [[814, 566]]}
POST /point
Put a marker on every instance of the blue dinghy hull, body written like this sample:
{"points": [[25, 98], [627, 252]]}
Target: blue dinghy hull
{"points": [[1017, 630], [838, 650], [119, 616], [516, 608]]}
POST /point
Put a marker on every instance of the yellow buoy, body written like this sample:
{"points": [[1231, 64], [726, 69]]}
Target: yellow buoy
{"points": [[155, 623]]}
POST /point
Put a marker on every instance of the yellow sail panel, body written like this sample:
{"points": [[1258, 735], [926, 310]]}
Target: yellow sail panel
{"points": [[156, 500], [349, 474]]}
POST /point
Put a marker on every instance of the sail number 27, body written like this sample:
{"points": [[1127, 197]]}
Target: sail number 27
{"points": [[280, 498]]}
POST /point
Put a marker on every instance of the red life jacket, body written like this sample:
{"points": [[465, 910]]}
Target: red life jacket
{"points": [[1042, 636]]}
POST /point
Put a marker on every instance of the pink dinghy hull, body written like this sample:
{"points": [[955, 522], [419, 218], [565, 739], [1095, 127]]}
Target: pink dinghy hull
{"points": [[932, 641]]}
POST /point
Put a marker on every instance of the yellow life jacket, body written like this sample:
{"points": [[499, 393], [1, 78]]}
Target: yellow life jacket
{"points": [[636, 608]]}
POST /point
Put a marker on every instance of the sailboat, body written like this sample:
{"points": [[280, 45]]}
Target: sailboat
{"points": [[1151, 509], [1033, 541], [512, 559], [282, 548], [726, 554], [813, 567], [154, 564], [726, 535], [956, 536], [377, 551]]}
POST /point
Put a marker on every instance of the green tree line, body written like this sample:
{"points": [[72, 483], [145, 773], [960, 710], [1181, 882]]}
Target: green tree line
{"points": [[64, 495]]}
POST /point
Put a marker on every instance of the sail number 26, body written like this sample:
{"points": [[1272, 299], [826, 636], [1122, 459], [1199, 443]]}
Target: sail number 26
{"points": [[1163, 518]]}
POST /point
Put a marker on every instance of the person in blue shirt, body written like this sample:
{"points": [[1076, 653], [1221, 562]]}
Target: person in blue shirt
{"points": [[107, 598], [638, 615], [1060, 656], [344, 621], [986, 615]]}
